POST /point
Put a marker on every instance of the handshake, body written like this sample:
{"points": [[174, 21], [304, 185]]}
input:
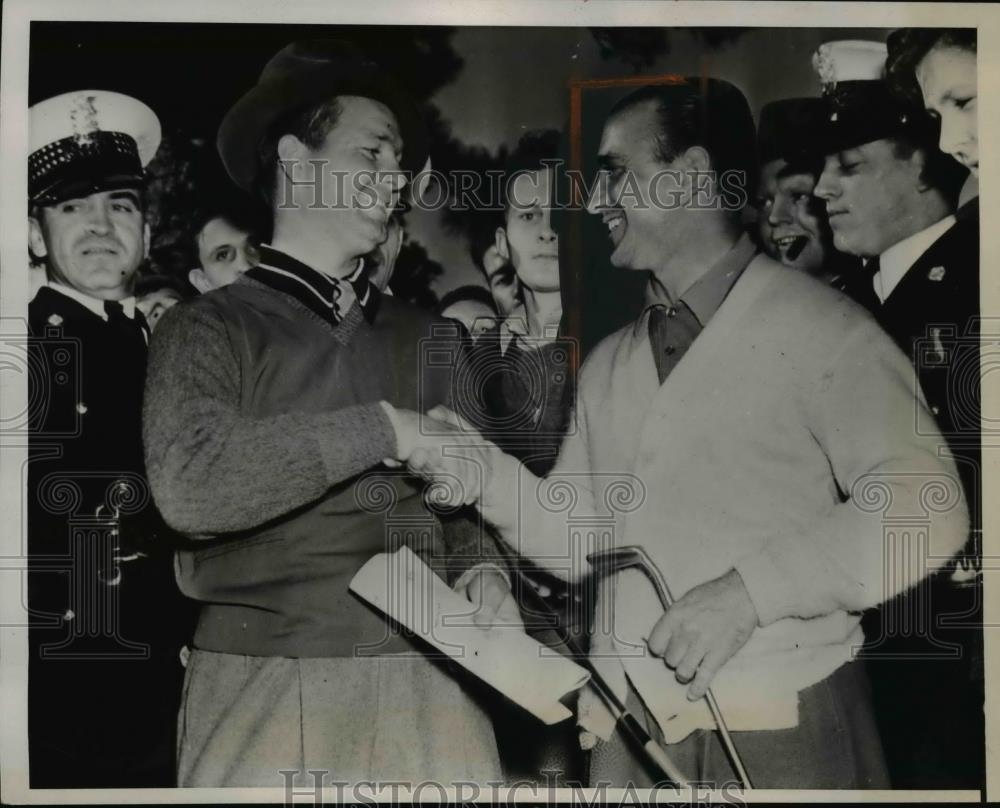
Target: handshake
{"points": [[461, 466], [443, 448]]}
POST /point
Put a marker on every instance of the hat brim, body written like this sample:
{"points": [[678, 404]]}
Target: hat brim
{"points": [[82, 187], [251, 118]]}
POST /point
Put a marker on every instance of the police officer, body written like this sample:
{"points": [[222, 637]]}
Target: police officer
{"points": [[107, 620], [891, 196]]}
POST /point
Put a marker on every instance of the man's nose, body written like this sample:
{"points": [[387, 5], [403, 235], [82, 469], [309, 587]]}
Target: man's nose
{"points": [[99, 217], [951, 135], [546, 234], [598, 195], [780, 212], [826, 186]]}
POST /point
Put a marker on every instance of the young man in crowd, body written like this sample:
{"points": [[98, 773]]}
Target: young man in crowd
{"points": [[225, 238], [108, 622], [473, 307], [526, 393], [891, 196], [298, 368], [155, 294], [749, 410], [521, 401], [497, 271]]}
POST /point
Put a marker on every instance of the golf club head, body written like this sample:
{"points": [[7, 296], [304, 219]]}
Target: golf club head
{"points": [[606, 562]]}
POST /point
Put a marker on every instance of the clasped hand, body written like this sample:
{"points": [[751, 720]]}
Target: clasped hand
{"points": [[447, 451]]}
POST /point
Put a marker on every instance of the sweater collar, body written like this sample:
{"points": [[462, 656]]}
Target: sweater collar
{"points": [[328, 297]]}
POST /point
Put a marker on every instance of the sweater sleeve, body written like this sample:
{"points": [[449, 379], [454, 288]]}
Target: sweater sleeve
{"points": [[903, 514], [214, 469]]}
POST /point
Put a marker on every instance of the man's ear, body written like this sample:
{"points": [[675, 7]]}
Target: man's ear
{"points": [[500, 238], [697, 159], [36, 241], [146, 239], [290, 147], [199, 280]]}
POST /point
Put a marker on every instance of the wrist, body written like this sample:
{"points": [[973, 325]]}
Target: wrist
{"points": [[397, 428]]}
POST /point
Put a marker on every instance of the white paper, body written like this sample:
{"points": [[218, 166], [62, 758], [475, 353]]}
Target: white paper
{"points": [[521, 668]]}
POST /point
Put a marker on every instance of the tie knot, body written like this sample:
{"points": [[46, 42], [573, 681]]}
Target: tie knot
{"points": [[114, 310]]}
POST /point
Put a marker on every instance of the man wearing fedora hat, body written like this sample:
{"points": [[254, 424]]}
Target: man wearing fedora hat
{"points": [[108, 621], [891, 195], [283, 388]]}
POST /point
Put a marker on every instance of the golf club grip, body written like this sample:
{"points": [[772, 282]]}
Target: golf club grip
{"points": [[656, 753]]}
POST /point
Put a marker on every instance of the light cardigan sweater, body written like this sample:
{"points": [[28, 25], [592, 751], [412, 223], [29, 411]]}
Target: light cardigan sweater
{"points": [[782, 445]]}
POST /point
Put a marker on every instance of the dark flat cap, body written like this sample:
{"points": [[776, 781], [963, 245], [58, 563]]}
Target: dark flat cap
{"points": [[788, 127]]}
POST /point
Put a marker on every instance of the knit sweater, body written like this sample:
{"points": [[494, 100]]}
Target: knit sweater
{"points": [[264, 437], [782, 445]]}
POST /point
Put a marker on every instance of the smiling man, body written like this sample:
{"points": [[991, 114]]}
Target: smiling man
{"points": [[750, 409], [109, 621], [270, 406]]}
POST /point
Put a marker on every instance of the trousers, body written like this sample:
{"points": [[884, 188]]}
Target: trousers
{"points": [[835, 745]]}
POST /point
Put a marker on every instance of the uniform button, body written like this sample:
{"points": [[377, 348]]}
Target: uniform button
{"points": [[671, 312], [81, 408], [669, 350], [69, 615], [935, 410]]}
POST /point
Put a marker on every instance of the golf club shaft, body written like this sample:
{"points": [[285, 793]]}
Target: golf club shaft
{"points": [[623, 718], [666, 601]]}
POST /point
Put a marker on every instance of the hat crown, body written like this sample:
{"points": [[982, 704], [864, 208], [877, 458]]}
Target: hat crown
{"points": [[299, 58], [850, 60]]}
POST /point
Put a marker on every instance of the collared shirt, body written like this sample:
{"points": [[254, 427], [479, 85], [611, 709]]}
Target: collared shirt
{"points": [[92, 303], [516, 325], [671, 337], [330, 298], [896, 261]]}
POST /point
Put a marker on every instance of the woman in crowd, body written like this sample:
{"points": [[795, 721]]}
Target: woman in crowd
{"points": [[940, 64], [792, 226]]}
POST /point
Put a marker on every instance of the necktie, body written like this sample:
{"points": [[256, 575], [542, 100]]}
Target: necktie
{"points": [[365, 291], [863, 289], [132, 332]]}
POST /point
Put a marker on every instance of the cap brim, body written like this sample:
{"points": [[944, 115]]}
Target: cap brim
{"points": [[82, 187]]}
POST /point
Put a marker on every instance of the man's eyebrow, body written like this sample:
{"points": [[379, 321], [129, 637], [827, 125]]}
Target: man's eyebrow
{"points": [[955, 95], [125, 194], [390, 137]]}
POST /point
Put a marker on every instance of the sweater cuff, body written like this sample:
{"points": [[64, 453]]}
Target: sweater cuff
{"points": [[771, 589], [354, 439]]}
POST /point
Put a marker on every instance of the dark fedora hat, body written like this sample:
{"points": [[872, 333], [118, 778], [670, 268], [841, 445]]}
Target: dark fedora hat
{"points": [[306, 73]]}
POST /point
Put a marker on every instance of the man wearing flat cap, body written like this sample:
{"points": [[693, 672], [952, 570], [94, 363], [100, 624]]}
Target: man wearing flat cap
{"points": [[766, 452], [891, 195], [283, 389], [108, 621]]}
